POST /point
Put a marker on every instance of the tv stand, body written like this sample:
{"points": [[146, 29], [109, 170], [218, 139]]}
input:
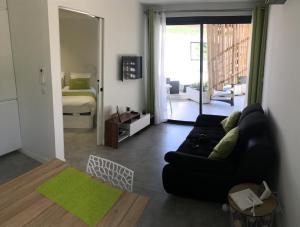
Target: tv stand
{"points": [[120, 127]]}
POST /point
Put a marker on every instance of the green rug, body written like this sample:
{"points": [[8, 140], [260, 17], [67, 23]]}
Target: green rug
{"points": [[80, 195]]}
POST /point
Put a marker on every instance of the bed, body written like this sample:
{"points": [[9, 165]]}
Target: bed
{"points": [[79, 107]]}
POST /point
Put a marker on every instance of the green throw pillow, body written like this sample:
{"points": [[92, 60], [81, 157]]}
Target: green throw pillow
{"points": [[226, 145], [79, 83], [231, 121]]}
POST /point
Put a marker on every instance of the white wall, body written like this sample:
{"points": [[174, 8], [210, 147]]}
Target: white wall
{"points": [[123, 28], [123, 35], [281, 99], [3, 4], [79, 41]]}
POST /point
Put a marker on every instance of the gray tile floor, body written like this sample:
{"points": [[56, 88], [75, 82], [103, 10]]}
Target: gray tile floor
{"points": [[15, 164], [144, 154]]}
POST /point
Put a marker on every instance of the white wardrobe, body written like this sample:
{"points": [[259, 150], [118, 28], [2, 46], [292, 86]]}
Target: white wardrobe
{"points": [[10, 139], [29, 29]]}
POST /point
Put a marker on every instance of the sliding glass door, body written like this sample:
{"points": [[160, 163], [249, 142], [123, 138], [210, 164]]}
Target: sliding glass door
{"points": [[225, 68], [206, 65]]}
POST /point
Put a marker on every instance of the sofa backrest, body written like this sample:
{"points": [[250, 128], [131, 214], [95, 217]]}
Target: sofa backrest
{"points": [[254, 153], [256, 107], [253, 125]]}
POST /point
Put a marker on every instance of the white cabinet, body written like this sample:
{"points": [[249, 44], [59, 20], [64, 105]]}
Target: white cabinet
{"points": [[2, 4], [10, 139], [7, 78], [139, 124]]}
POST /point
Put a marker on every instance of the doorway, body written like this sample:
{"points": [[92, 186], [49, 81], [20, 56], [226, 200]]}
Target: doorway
{"points": [[206, 65], [81, 48]]}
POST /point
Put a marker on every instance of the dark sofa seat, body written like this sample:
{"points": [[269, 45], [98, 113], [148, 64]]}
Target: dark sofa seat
{"points": [[189, 172]]}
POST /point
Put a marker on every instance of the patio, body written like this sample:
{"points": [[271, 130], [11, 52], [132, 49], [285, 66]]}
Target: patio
{"points": [[187, 110], [224, 72]]}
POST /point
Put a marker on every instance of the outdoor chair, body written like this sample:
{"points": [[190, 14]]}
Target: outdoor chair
{"points": [[226, 95]]}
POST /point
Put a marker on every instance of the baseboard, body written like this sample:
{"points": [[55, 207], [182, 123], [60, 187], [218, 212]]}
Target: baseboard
{"points": [[35, 156]]}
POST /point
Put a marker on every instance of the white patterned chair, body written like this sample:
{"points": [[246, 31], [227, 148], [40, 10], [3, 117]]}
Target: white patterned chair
{"points": [[110, 172]]}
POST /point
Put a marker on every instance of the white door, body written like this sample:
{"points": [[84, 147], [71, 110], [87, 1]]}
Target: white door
{"points": [[100, 118]]}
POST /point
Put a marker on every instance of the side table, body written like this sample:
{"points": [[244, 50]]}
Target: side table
{"points": [[264, 214]]}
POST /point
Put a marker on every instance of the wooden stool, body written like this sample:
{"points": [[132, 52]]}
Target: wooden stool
{"points": [[263, 213]]}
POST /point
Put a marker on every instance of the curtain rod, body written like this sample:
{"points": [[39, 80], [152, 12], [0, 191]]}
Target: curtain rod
{"points": [[203, 11]]}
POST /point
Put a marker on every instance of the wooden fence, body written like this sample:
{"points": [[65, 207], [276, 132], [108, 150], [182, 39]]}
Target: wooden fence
{"points": [[228, 50]]}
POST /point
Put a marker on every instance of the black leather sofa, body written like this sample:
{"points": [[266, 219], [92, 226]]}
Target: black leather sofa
{"points": [[190, 173]]}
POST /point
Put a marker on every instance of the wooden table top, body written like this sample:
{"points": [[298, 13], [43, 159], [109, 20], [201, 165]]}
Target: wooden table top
{"points": [[266, 208], [21, 205]]}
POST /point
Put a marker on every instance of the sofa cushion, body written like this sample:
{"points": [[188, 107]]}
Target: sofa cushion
{"points": [[231, 121], [189, 161], [202, 140], [213, 134], [256, 107], [203, 148], [224, 148]]}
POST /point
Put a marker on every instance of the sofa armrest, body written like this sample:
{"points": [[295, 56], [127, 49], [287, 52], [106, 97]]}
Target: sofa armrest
{"points": [[198, 163], [209, 120]]}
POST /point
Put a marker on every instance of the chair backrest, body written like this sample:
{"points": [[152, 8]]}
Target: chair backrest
{"points": [[110, 172]]}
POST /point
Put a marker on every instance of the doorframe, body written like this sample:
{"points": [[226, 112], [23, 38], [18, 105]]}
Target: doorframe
{"points": [[100, 80], [201, 67], [100, 71]]}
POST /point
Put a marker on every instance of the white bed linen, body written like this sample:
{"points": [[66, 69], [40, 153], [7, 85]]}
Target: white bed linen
{"points": [[67, 89], [78, 104]]}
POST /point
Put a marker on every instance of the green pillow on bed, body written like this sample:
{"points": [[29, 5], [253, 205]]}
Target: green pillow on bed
{"points": [[79, 82]]}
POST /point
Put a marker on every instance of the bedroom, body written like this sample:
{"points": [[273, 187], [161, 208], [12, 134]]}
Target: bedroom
{"points": [[81, 71]]}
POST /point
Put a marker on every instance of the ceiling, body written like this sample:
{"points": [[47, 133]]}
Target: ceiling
{"points": [[73, 15], [158, 2]]}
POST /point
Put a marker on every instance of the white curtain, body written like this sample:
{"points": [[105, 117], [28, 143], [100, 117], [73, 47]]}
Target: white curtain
{"points": [[160, 100]]}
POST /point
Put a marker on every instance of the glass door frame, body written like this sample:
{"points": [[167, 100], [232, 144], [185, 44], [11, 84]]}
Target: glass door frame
{"points": [[201, 21]]}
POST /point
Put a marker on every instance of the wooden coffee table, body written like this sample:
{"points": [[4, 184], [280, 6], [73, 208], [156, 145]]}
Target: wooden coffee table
{"points": [[263, 213]]}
